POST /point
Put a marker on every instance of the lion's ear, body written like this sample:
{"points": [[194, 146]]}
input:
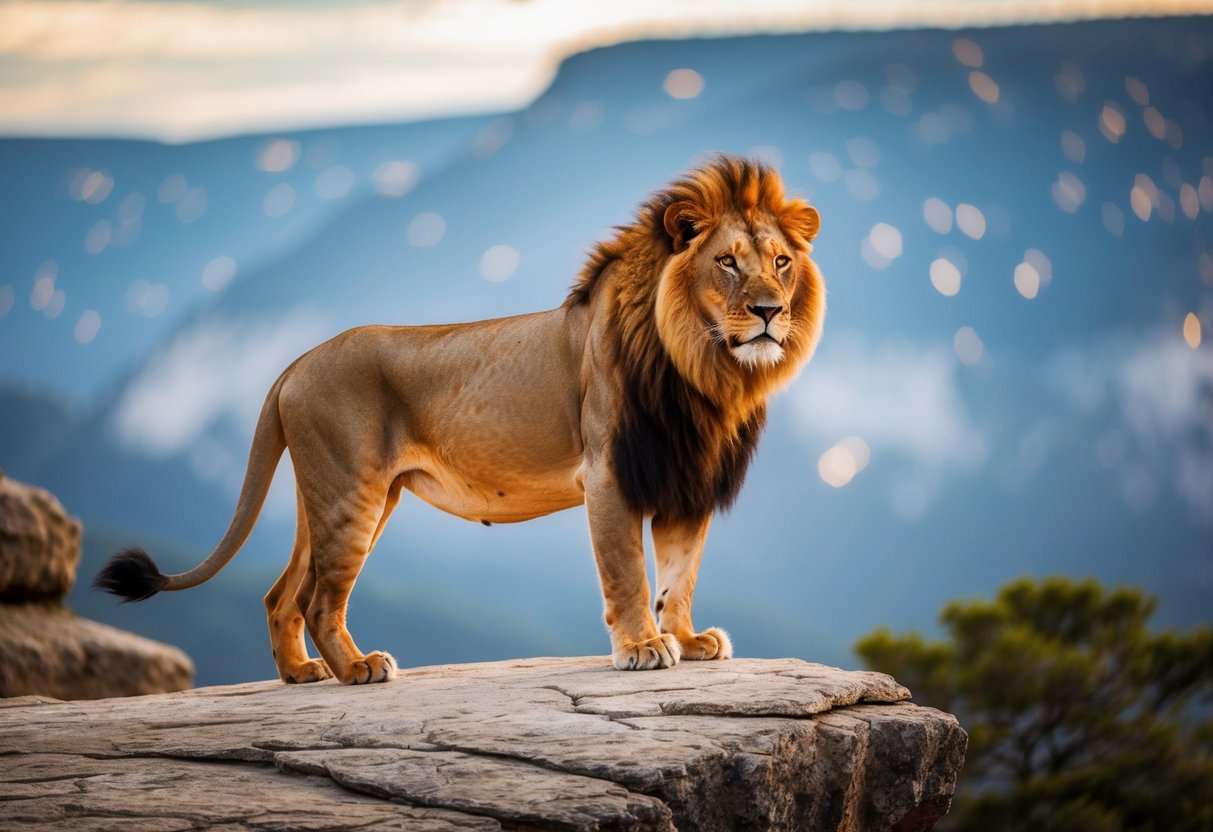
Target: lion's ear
{"points": [[683, 221], [801, 219]]}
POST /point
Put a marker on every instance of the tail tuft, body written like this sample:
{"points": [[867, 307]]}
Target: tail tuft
{"points": [[131, 575]]}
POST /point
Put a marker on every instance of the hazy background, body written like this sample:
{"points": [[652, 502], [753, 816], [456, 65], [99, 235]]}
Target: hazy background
{"points": [[1016, 375]]}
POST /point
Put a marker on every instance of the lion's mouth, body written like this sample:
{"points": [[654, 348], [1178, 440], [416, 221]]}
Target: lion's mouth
{"points": [[735, 342]]}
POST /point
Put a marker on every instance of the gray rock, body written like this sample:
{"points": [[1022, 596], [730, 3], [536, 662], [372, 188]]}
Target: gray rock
{"points": [[543, 743], [39, 543]]}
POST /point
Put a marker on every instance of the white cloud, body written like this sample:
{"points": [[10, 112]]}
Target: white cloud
{"points": [[900, 398], [195, 69], [1149, 399], [213, 374]]}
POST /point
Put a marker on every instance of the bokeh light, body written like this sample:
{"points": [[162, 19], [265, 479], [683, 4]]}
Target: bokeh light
{"points": [[395, 178], [87, 326], [882, 245], [1073, 147], [426, 230], [945, 276], [1112, 122], [192, 205], [171, 188], [968, 52], [335, 182], [1137, 91], [98, 237], [499, 263], [1069, 82], [279, 200], [683, 84], [968, 346], [1113, 218], [218, 273], [278, 155], [1027, 280], [850, 95], [984, 87], [863, 152], [839, 465], [938, 215], [1069, 192], [970, 220], [1191, 330]]}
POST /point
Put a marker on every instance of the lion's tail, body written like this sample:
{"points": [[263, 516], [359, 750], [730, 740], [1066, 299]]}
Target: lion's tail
{"points": [[133, 575]]}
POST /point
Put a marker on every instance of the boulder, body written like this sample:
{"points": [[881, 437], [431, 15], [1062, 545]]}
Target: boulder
{"points": [[39, 543], [538, 744], [44, 649]]}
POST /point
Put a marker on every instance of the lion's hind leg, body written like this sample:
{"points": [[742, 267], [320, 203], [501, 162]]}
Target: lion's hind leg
{"points": [[678, 547], [285, 617], [343, 526]]}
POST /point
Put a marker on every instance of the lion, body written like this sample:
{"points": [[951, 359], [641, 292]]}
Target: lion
{"points": [[642, 396]]}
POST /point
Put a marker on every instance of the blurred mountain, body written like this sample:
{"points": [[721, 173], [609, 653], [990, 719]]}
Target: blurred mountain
{"points": [[1016, 225]]}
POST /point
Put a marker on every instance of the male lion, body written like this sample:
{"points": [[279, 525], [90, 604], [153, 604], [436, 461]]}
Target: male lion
{"points": [[643, 395]]}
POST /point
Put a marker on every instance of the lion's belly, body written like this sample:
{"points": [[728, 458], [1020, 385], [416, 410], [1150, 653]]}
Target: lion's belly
{"points": [[504, 500]]}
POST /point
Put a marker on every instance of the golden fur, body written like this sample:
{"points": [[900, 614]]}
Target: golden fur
{"points": [[643, 395]]}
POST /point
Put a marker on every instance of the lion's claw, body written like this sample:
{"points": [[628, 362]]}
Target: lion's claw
{"points": [[652, 654], [373, 667]]}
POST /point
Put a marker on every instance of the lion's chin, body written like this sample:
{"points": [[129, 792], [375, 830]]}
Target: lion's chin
{"points": [[761, 352]]}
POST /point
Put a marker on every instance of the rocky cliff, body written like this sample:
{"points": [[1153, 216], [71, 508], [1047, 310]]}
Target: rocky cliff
{"points": [[537, 744], [44, 648]]}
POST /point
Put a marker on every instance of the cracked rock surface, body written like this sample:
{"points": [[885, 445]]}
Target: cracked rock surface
{"points": [[534, 744]]}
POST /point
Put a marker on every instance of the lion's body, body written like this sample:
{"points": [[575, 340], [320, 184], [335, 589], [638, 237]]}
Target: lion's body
{"points": [[642, 396]]}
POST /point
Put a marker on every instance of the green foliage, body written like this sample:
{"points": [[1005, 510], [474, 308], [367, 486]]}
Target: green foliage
{"points": [[1079, 717]]}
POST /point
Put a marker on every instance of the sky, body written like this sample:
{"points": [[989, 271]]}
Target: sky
{"points": [[181, 71]]}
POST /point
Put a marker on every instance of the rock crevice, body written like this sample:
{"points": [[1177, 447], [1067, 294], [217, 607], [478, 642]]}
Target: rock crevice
{"points": [[538, 744]]}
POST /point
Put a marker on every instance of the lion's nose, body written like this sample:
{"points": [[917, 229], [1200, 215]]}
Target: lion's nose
{"points": [[766, 312]]}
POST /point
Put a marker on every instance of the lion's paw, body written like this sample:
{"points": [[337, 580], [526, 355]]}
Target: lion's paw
{"points": [[313, 670], [373, 667], [653, 654], [712, 643]]}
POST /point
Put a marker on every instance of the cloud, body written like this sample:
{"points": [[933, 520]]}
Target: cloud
{"points": [[903, 401], [1149, 401], [211, 371], [900, 398], [132, 66]]}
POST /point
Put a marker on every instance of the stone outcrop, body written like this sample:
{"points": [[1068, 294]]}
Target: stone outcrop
{"points": [[44, 648], [39, 543], [538, 744]]}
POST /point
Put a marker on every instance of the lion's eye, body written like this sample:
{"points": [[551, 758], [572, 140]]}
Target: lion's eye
{"points": [[782, 261], [728, 261]]}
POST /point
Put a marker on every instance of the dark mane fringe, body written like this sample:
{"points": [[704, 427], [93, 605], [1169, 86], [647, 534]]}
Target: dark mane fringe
{"points": [[674, 454]]}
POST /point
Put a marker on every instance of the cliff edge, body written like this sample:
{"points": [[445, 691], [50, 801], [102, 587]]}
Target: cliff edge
{"points": [[533, 744]]}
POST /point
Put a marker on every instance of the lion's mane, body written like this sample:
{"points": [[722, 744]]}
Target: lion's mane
{"points": [[689, 415]]}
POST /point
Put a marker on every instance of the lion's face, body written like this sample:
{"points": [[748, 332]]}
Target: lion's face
{"points": [[745, 281], [746, 288]]}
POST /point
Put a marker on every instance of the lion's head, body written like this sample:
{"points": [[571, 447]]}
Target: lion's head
{"points": [[713, 303], [739, 273]]}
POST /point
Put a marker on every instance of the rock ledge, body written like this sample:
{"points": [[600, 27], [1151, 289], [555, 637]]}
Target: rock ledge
{"points": [[534, 744]]}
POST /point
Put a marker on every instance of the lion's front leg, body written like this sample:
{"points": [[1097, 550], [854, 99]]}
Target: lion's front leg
{"points": [[678, 546], [616, 532]]}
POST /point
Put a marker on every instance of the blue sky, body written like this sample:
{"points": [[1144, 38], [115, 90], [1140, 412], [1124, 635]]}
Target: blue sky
{"points": [[186, 70]]}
